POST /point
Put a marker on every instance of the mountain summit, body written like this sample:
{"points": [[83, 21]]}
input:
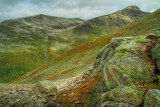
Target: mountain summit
{"points": [[108, 23]]}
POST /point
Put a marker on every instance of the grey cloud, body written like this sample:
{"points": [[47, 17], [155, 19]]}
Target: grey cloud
{"points": [[85, 9]]}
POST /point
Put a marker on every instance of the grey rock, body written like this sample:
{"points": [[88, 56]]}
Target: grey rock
{"points": [[156, 54], [131, 95], [115, 104], [152, 98]]}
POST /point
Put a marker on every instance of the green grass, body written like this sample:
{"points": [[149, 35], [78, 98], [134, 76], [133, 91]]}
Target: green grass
{"points": [[16, 63]]}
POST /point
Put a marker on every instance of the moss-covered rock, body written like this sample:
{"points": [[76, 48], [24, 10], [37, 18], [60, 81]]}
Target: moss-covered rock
{"points": [[115, 104], [152, 98], [131, 95], [125, 61], [156, 54]]}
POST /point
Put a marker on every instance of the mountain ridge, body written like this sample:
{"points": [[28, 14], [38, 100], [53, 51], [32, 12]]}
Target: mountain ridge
{"points": [[113, 21]]}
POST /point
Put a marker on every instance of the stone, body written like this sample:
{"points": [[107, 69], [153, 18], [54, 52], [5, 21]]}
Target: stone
{"points": [[156, 54], [152, 98], [115, 104], [131, 95], [52, 104], [125, 61], [45, 86], [152, 36]]}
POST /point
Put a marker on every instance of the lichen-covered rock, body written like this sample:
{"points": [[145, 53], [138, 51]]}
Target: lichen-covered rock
{"points": [[131, 95], [152, 98], [156, 54], [125, 61], [114, 104], [45, 86]]}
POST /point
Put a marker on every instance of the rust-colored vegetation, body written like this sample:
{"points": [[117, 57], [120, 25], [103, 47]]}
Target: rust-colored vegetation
{"points": [[63, 72], [53, 77], [45, 66], [135, 25], [82, 93], [90, 60]]}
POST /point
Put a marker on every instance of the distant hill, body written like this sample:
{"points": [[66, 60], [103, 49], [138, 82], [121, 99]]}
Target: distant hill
{"points": [[23, 30], [108, 23], [36, 23]]}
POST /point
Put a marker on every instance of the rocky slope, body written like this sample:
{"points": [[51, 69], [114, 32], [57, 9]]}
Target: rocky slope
{"points": [[108, 23], [127, 62], [124, 74]]}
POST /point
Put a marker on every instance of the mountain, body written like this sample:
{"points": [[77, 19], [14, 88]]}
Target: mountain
{"points": [[26, 28], [81, 58], [108, 23], [24, 42], [30, 42], [36, 24]]}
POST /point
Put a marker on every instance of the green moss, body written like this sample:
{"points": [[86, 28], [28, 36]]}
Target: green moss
{"points": [[88, 104]]}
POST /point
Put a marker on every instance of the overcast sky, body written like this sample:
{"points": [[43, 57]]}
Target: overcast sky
{"points": [[85, 9]]}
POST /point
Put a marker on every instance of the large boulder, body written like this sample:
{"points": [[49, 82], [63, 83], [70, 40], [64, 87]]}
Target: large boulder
{"points": [[48, 86], [131, 95], [152, 98], [125, 61], [122, 95], [156, 54]]}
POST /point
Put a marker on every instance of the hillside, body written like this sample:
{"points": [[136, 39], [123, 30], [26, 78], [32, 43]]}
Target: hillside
{"points": [[108, 23], [24, 42], [27, 43], [81, 58]]}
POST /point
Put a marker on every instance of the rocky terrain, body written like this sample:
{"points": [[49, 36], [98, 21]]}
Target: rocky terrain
{"points": [[119, 69], [129, 77]]}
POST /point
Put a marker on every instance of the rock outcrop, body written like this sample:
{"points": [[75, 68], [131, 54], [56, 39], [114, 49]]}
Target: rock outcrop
{"points": [[156, 54], [11, 94], [42, 94], [126, 61], [124, 96], [131, 95]]}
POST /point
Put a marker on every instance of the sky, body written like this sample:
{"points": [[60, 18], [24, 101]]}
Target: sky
{"points": [[84, 9]]}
